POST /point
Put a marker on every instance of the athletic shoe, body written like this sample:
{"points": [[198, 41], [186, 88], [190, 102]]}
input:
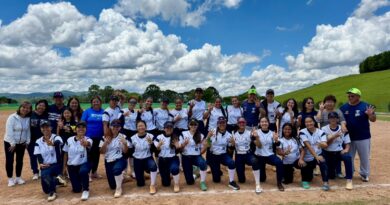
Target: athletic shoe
{"points": [[118, 192], [61, 181], [258, 189], [325, 187], [11, 182], [90, 178], [349, 185], [316, 171], [84, 195], [35, 177], [234, 185], [96, 175], [364, 178], [152, 189], [19, 181], [176, 188], [306, 185], [203, 186], [340, 176], [132, 175], [280, 187], [52, 197]]}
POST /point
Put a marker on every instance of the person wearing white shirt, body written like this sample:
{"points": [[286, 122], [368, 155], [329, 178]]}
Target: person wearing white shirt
{"points": [[113, 112], [335, 152], [180, 117], [313, 140], [193, 146], [288, 115], [162, 115], [197, 108], [271, 109], [242, 140], [48, 151], [76, 150], [16, 140], [265, 139], [147, 114], [114, 145], [233, 112], [141, 144], [213, 113], [168, 162]]}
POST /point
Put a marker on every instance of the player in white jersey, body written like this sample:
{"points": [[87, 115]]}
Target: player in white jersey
{"points": [[48, 151], [180, 117], [113, 112], [233, 112], [162, 115], [141, 144], [197, 108], [291, 151], [76, 150], [313, 140], [147, 114], [271, 109], [338, 148], [168, 144], [288, 115], [242, 140], [265, 139], [219, 140], [193, 146], [213, 113], [114, 145]]}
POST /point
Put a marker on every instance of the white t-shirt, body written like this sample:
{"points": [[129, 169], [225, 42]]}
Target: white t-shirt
{"points": [[272, 107], [286, 118], [233, 114], [192, 148], [243, 141], [266, 140], [161, 116], [77, 154], [47, 152], [199, 109], [165, 150], [141, 146], [314, 140], [220, 142], [183, 122], [337, 144], [111, 114], [130, 120], [213, 119], [294, 146], [148, 117], [114, 149]]}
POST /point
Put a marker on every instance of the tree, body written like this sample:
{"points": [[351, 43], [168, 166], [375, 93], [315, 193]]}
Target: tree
{"points": [[170, 94], [106, 93], [375, 63], [152, 91], [210, 94], [93, 90]]}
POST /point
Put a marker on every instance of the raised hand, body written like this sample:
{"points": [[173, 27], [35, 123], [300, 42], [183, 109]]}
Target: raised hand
{"points": [[257, 103], [254, 132], [322, 106], [192, 103], [232, 141], [149, 140], [275, 137], [370, 110], [186, 142], [210, 107], [210, 133], [161, 143]]}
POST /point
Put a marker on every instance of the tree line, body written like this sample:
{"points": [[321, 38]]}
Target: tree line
{"points": [[375, 63]]}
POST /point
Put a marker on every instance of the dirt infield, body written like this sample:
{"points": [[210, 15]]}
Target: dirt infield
{"points": [[377, 191]]}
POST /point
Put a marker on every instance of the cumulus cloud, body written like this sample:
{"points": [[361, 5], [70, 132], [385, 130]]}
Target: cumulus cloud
{"points": [[367, 8]]}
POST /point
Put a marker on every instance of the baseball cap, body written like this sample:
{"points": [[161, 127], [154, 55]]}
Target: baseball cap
{"points": [[115, 123], [133, 101], [44, 123], [114, 97], [270, 91], [58, 95], [168, 124], [221, 119], [252, 91], [333, 115], [199, 90], [354, 91], [81, 123]]}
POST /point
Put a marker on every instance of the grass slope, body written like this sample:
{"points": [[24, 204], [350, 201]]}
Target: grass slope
{"points": [[375, 88]]}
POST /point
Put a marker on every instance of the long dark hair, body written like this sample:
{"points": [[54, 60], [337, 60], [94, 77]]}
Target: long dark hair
{"points": [[304, 104], [295, 108], [293, 130], [79, 110], [45, 113], [71, 115], [25, 103]]}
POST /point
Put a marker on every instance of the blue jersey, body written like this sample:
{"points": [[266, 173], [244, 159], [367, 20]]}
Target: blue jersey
{"points": [[54, 115], [93, 118], [358, 124], [250, 113]]}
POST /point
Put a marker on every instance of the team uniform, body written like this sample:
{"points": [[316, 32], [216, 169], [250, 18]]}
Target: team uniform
{"points": [[271, 110], [182, 124], [215, 113], [290, 161], [149, 117], [112, 114], [78, 165], [251, 114], [233, 113], [304, 115], [54, 115], [285, 118], [160, 117], [35, 130], [198, 110], [130, 123]]}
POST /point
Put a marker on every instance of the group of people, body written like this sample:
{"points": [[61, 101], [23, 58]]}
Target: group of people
{"points": [[66, 141]]}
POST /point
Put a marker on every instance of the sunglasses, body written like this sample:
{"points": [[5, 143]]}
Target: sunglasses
{"points": [[242, 122]]}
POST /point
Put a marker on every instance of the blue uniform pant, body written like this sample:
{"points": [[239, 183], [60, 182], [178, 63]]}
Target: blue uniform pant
{"points": [[333, 159], [272, 160], [215, 162], [168, 166], [113, 169], [79, 177], [49, 178], [307, 171], [188, 161], [142, 165], [245, 159]]}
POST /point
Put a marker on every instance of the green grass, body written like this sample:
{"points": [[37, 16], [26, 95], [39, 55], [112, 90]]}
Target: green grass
{"points": [[374, 87], [383, 117]]}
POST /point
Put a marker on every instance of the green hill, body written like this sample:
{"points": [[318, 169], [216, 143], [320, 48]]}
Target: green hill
{"points": [[375, 89]]}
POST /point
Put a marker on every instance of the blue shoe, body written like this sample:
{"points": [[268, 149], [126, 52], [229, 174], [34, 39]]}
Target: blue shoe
{"points": [[325, 187], [306, 185]]}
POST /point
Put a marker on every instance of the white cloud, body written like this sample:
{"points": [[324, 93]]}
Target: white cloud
{"points": [[295, 27], [367, 8]]}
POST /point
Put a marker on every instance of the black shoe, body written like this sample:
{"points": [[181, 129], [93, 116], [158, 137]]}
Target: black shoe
{"points": [[280, 187], [234, 185]]}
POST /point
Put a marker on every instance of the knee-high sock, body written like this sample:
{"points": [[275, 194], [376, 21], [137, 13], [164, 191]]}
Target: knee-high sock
{"points": [[176, 178], [153, 176], [231, 174], [118, 181], [203, 175], [256, 174]]}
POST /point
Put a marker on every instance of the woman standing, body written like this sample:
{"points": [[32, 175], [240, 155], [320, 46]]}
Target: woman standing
{"points": [[48, 151], [180, 117], [265, 139], [16, 140], [193, 147], [40, 113], [197, 108], [313, 140], [242, 140], [66, 128], [147, 114], [74, 106], [289, 114], [140, 145], [113, 112], [327, 106], [76, 150], [213, 113], [307, 111], [162, 115], [114, 145], [233, 112], [168, 162], [93, 118]]}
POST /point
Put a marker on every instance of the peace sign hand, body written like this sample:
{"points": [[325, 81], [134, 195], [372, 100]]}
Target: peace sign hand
{"points": [[149, 140], [322, 106], [254, 132]]}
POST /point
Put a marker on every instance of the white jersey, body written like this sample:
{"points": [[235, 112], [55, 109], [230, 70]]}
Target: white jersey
{"points": [[272, 108], [233, 114], [293, 145], [199, 109], [166, 151], [114, 149], [192, 148], [314, 140], [77, 154], [47, 152], [213, 119], [183, 122], [286, 118], [266, 140], [148, 117], [141, 146], [130, 120], [337, 144], [111, 114], [160, 117], [220, 142], [242, 141]]}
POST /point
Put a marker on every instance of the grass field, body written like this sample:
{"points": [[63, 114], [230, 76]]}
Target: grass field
{"points": [[374, 87]]}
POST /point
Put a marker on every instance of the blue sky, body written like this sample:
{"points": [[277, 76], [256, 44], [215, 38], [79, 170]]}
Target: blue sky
{"points": [[269, 30]]}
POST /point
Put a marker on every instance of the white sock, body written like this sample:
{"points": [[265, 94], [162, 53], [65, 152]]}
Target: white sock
{"points": [[256, 174], [203, 175], [118, 181], [153, 176], [231, 174], [176, 178]]}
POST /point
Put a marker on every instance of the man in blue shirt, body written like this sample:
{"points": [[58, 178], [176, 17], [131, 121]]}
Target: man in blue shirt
{"points": [[55, 110], [251, 109], [358, 115]]}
